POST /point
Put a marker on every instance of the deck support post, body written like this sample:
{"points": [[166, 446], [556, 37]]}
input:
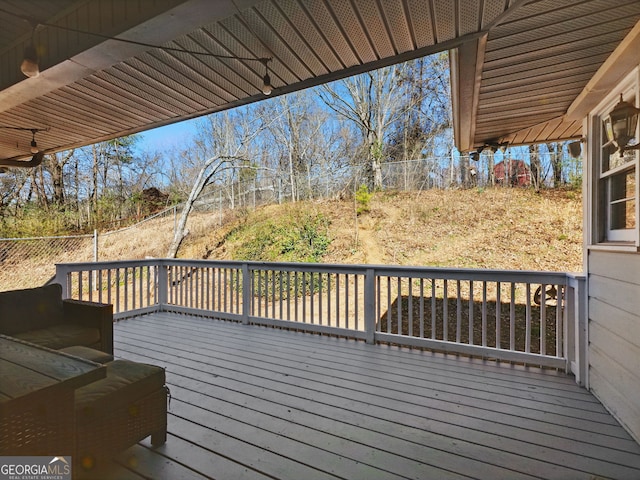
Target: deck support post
{"points": [[370, 305]]}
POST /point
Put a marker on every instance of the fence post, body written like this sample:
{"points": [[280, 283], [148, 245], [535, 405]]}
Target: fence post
{"points": [[163, 281], [370, 305], [246, 294], [175, 220]]}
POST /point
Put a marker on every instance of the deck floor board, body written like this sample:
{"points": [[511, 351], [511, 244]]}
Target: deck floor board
{"points": [[256, 402]]}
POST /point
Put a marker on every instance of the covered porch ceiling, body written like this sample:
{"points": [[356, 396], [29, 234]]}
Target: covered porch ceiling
{"points": [[518, 67]]}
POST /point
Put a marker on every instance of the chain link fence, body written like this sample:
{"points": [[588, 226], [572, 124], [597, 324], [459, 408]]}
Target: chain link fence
{"points": [[30, 262]]}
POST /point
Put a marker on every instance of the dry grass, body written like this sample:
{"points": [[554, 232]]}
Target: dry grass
{"points": [[502, 228]]}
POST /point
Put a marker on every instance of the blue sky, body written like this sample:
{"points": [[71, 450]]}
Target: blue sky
{"points": [[167, 137]]}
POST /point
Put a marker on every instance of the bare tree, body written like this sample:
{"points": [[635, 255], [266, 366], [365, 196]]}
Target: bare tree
{"points": [[55, 165], [372, 102], [296, 125], [536, 167], [222, 143], [555, 158]]}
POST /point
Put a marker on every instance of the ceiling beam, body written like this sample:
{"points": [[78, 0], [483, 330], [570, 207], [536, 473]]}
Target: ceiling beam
{"points": [[466, 64]]}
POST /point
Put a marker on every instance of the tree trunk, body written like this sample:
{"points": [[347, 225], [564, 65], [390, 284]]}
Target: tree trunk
{"points": [[536, 179], [556, 162], [464, 171], [491, 174]]}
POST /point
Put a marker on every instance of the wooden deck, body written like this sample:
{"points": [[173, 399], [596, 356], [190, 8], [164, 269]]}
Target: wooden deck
{"points": [[259, 403]]}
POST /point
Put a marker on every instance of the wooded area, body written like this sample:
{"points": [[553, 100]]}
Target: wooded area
{"points": [[386, 129]]}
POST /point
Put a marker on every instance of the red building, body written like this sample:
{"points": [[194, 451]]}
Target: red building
{"points": [[514, 172]]}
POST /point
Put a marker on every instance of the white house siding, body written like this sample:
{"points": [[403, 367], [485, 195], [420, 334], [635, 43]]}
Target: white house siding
{"points": [[614, 334]]}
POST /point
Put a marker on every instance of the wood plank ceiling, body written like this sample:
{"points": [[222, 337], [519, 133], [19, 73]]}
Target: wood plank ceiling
{"points": [[539, 60], [531, 58]]}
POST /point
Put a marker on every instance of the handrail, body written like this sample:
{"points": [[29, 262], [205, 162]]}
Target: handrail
{"points": [[487, 313]]}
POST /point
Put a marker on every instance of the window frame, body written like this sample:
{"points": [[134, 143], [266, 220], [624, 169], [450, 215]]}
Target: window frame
{"points": [[603, 181]]}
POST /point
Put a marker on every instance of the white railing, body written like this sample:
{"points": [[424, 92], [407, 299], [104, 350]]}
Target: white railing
{"points": [[520, 316]]}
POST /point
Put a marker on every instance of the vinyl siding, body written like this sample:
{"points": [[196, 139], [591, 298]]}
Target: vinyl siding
{"points": [[614, 334]]}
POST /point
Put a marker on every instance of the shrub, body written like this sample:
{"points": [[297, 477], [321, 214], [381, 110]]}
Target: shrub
{"points": [[363, 198]]}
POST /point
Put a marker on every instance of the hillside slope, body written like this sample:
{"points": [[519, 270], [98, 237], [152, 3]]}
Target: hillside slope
{"points": [[501, 228]]}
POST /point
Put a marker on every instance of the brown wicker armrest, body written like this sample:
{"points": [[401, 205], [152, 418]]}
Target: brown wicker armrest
{"points": [[92, 314]]}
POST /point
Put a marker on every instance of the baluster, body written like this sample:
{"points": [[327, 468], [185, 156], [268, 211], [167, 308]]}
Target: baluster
{"points": [[281, 282], [296, 297], [484, 313], [399, 287], [311, 296], [543, 319], [141, 286], [560, 295], [527, 334], [458, 313], [445, 310], [410, 307], [304, 297], [471, 340], [512, 318], [389, 306], [434, 311], [421, 308], [338, 300], [289, 295], [498, 314], [356, 281], [133, 288]]}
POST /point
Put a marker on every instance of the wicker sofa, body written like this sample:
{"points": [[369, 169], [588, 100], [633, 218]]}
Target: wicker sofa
{"points": [[112, 413], [40, 315]]}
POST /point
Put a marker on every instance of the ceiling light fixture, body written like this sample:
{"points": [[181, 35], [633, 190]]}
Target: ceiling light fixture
{"points": [[266, 80], [31, 68], [621, 126], [29, 65], [34, 145]]}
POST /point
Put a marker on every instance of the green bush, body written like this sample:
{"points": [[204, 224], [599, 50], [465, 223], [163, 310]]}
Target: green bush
{"points": [[363, 198], [300, 236]]}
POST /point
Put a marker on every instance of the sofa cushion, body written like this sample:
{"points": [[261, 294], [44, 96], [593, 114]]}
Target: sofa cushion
{"points": [[30, 308], [62, 335], [126, 382], [88, 353]]}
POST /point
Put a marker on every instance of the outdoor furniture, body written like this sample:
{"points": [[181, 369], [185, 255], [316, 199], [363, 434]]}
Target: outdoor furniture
{"points": [[40, 315], [87, 353], [114, 413], [37, 397]]}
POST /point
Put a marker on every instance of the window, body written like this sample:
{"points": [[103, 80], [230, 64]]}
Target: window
{"points": [[617, 188]]}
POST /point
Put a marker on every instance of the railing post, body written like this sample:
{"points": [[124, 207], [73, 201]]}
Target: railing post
{"points": [[370, 305], [163, 282], [62, 277], [95, 259], [581, 335], [576, 328], [246, 294]]}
